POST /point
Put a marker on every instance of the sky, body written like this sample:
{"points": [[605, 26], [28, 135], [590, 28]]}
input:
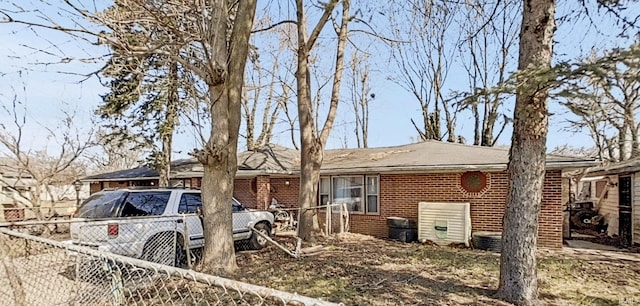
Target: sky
{"points": [[48, 88]]}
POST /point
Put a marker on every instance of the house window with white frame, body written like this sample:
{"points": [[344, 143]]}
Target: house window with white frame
{"points": [[360, 193], [373, 207], [324, 192]]}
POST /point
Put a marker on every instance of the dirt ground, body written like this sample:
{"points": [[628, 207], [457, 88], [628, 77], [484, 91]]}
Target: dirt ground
{"points": [[362, 270]]}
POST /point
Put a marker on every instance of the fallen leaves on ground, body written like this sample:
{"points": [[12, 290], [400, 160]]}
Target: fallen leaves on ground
{"points": [[361, 270]]}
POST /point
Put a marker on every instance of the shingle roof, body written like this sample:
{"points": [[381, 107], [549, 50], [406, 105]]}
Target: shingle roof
{"points": [[273, 158], [627, 166], [432, 156], [182, 168], [428, 156]]}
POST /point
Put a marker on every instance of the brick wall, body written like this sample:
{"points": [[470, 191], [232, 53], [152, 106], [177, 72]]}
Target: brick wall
{"points": [[263, 191], [94, 187], [285, 194], [400, 194], [243, 192]]}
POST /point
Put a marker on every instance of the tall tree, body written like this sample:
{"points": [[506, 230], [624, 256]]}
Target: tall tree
{"points": [[144, 97], [212, 42], [490, 37], [56, 164], [426, 37], [269, 80], [527, 157], [313, 141], [607, 104], [361, 95], [227, 53], [210, 39]]}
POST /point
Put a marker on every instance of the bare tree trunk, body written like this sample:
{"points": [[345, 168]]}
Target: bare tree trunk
{"points": [[311, 160], [360, 96], [518, 273], [169, 126], [310, 150], [217, 191], [312, 142], [219, 156], [290, 120], [476, 124]]}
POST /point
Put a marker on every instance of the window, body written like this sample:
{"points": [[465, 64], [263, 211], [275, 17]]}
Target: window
{"points": [[101, 205], [324, 192], [372, 195], [360, 193], [189, 203], [237, 206], [585, 192], [145, 203], [349, 190], [180, 183]]}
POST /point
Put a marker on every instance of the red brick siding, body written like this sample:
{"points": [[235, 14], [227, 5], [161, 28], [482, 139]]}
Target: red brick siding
{"points": [[243, 192], [263, 186], [286, 195], [196, 182], [400, 194], [94, 187], [551, 218]]}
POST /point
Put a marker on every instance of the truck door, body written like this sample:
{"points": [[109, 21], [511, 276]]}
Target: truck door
{"points": [[190, 204]]}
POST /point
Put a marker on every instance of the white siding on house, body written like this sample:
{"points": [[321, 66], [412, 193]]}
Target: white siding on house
{"points": [[609, 208]]}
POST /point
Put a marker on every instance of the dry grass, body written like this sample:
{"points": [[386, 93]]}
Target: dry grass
{"points": [[361, 270]]}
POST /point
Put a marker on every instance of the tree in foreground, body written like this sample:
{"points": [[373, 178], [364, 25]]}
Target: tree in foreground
{"points": [[144, 100], [210, 41], [313, 141], [527, 157]]}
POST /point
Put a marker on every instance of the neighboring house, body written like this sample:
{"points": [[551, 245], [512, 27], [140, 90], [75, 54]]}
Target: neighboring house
{"points": [[17, 191], [14, 189], [377, 183], [620, 205]]}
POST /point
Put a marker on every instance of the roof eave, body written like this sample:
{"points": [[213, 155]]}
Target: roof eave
{"points": [[605, 172], [571, 165]]}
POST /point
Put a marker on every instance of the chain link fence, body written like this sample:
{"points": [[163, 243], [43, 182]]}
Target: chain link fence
{"points": [[95, 268]]}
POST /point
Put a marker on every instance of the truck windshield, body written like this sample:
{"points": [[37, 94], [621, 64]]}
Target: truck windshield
{"points": [[101, 205]]}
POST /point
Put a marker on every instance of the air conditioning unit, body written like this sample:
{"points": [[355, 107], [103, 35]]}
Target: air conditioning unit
{"points": [[444, 223]]}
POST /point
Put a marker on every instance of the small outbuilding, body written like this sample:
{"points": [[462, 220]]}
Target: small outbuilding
{"points": [[617, 188]]}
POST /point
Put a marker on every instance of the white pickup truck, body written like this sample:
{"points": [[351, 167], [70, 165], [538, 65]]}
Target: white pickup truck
{"points": [[154, 224]]}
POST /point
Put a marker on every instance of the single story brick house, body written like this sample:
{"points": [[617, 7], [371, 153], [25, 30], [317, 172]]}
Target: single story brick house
{"points": [[621, 202], [381, 182]]}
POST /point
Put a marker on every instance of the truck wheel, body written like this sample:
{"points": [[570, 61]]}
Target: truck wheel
{"points": [[256, 241], [163, 250]]}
